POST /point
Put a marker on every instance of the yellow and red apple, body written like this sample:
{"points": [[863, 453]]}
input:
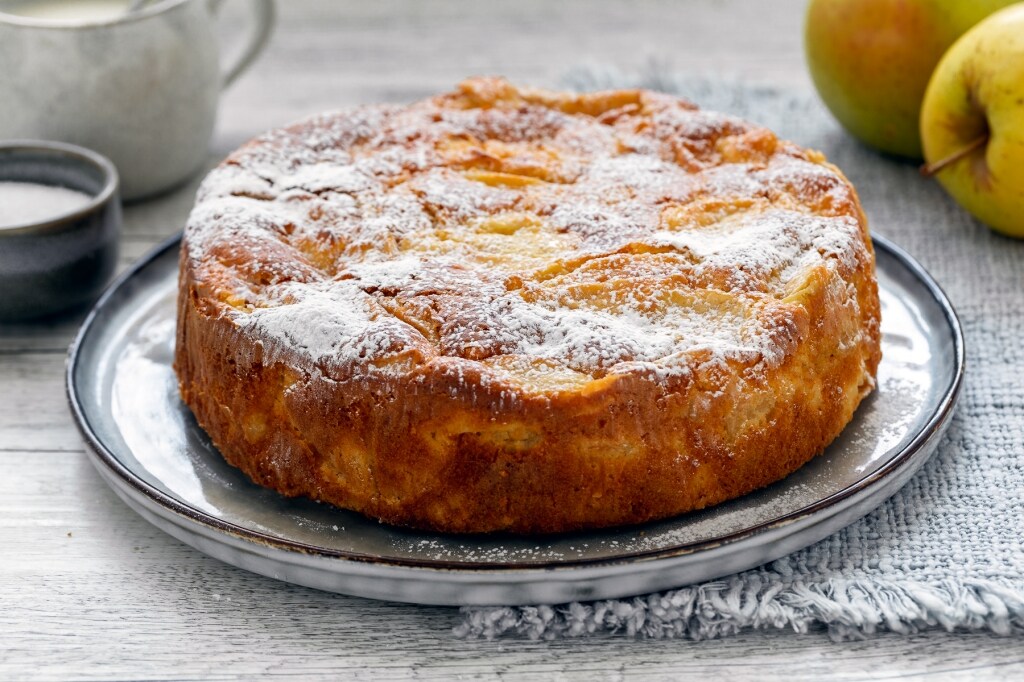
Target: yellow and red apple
{"points": [[871, 60], [972, 121]]}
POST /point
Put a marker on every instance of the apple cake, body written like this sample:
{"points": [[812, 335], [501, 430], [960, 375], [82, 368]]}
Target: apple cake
{"points": [[513, 309]]}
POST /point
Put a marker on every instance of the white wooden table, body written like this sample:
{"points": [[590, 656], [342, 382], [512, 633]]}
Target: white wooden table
{"points": [[89, 590]]}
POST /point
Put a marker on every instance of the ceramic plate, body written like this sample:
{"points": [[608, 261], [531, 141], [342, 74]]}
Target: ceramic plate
{"points": [[150, 450]]}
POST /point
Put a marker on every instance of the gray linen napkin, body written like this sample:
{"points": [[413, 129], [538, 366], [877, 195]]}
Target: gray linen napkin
{"points": [[943, 552]]}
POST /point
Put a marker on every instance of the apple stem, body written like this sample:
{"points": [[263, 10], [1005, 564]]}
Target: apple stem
{"points": [[930, 169]]}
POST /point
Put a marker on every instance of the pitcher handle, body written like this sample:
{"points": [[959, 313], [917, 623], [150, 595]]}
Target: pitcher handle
{"points": [[264, 15]]}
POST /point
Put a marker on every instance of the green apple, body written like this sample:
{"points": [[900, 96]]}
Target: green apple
{"points": [[871, 60], [972, 121]]}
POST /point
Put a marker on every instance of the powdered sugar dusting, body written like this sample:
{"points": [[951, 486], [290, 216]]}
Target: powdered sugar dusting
{"points": [[324, 323], [647, 235]]}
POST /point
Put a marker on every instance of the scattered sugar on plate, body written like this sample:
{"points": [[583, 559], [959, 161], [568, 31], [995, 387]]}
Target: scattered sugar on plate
{"points": [[23, 203]]}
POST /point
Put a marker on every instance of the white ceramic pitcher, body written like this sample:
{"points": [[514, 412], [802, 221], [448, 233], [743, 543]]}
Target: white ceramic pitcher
{"points": [[141, 88]]}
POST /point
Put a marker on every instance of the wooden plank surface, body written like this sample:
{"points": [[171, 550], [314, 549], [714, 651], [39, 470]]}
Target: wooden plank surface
{"points": [[88, 590]]}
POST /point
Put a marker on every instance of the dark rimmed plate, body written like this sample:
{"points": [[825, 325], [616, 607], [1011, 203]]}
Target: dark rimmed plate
{"points": [[147, 446]]}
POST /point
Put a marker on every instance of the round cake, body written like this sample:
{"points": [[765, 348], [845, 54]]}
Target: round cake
{"points": [[511, 309]]}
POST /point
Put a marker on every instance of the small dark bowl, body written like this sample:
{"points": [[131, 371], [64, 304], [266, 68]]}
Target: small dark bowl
{"points": [[65, 261]]}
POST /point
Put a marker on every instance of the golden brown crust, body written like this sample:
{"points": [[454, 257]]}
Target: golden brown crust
{"points": [[558, 369]]}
